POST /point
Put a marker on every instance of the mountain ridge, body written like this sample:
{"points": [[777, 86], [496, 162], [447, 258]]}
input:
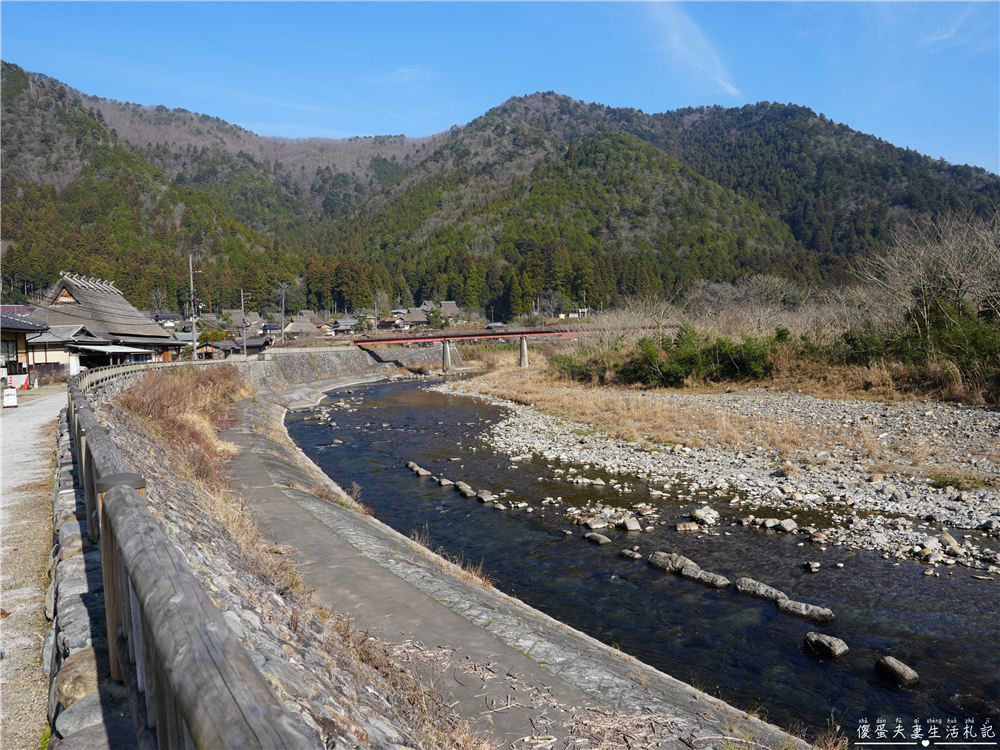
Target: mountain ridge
{"points": [[703, 192]]}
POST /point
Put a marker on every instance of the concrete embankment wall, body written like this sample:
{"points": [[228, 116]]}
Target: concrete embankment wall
{"points": [[278, 369]]}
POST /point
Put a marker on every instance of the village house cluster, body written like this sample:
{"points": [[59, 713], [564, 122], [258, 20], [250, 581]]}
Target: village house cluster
{"points": [[84, 322]]}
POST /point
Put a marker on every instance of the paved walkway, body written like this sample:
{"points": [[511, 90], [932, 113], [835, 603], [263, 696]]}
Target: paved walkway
{"points": [[28, 438], [535, 668]]}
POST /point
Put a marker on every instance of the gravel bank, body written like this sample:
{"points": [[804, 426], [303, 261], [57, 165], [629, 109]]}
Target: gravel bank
{"points": [[857, 496]]}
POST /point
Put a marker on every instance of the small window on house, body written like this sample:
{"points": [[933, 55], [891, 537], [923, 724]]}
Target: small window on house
{"points": [[65, 298], [8, 350]]}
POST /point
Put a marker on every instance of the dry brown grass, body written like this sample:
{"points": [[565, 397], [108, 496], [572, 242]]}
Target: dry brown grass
{"points": [[351, 500], [866, 441], [433, 722], [634, 415], [186, 405], [919, 453], [490, 357], [248, 536], [875, 376], [456, 565]]}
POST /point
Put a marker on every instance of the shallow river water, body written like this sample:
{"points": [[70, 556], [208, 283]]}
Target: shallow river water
{"points": [[735, 647]]}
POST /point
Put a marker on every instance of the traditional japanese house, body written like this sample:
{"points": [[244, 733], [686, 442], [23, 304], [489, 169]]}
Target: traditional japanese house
{"points": [[131, 335], [15, 332]]}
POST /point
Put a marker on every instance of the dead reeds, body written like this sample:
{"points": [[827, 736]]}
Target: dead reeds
{"points": [[456, 565], [637, 415], [186, 405]]}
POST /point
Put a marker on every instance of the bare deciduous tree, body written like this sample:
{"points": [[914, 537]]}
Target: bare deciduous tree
{"points": [[158, 300], [934, 267]]}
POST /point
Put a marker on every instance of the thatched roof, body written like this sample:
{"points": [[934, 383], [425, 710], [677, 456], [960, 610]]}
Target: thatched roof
{"points": [[300, 325], [97, 304]]}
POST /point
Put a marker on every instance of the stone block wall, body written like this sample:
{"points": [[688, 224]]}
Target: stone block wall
{"points": [[85, 705]]}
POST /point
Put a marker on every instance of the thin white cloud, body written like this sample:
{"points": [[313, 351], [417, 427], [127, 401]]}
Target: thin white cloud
{"points": [[949, 36], [687, 46], [277, 103], [409, 75]]}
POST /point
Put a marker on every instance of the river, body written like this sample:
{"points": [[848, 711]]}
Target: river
{"points": [[737, 648]]}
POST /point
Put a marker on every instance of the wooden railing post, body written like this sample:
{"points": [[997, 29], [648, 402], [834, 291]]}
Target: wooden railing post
{"points": [[113, 603], [85, 465]]}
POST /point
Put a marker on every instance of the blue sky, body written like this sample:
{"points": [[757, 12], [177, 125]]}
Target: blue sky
{"points": [[921, 75]]}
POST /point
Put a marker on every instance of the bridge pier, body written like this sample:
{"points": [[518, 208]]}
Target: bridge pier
{"points": [[524, 351], [445, 357]]}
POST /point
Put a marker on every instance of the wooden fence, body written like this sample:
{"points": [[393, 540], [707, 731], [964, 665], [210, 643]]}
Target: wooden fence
{"points": [[190, 682]]}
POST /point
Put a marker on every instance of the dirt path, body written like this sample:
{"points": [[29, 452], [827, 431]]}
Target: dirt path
{"points": [[28, 436]]}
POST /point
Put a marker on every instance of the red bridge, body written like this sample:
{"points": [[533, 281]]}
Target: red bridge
{"points": [[444, 338]]}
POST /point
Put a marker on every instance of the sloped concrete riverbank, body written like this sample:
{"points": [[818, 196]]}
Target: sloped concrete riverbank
{"points": [[545, 680]]}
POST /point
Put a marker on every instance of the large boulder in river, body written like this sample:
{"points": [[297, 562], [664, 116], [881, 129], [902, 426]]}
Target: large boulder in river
{"points": [[596, 538], [695, 573], [808, 611], [670, 562], [825, 646], [705, 516], [893, 670], [631, 523], [761, 591]]}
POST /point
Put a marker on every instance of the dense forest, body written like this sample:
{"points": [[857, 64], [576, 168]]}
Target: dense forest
{"points": [[541, 201]]}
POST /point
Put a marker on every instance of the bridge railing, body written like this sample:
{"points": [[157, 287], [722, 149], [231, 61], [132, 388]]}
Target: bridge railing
{"points": [[190, 682]]}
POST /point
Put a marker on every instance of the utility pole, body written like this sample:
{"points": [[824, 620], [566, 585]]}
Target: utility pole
{"points": [[194, 312], [243, 309], [211, 328], [282, 313]]}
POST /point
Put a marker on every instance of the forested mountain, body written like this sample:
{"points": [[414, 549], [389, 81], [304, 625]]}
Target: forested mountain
{"points": [[76, 198], [540, 197], [838, 190]]}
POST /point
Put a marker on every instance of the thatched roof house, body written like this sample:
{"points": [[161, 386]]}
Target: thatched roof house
{"points": [[301, 326], [103, 309]]}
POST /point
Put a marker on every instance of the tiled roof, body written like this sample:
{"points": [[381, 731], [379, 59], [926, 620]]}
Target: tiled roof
{"points": [[11, 322]]}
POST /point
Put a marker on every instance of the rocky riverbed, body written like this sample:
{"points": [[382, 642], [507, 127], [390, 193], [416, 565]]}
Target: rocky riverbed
{"points": [[830, 493]]}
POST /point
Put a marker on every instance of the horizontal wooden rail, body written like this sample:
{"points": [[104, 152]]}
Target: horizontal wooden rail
{"points": [[191, 683]]}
